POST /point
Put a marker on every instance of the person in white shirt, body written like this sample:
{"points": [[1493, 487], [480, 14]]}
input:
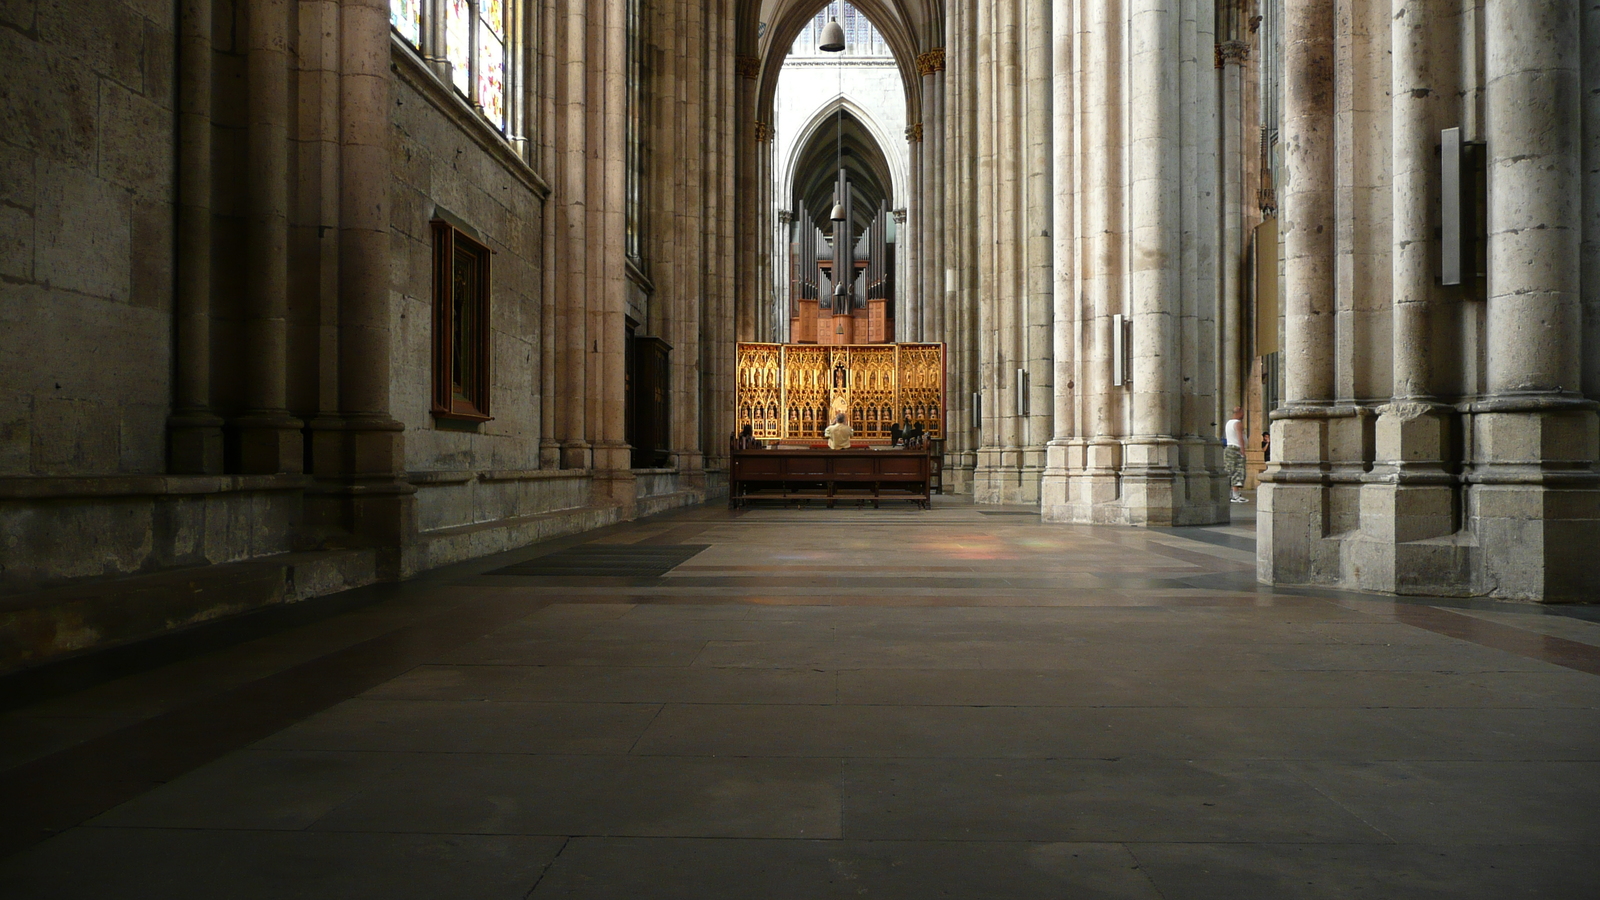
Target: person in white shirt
{"points": [[1233, 453], [839, 433]]}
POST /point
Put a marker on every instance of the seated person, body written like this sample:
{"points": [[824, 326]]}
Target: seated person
{"points": [[747, 439], [839, 433], [896, 434]]}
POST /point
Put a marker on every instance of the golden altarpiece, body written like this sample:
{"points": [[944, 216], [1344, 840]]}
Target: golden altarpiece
{"points": [[790, 392]]}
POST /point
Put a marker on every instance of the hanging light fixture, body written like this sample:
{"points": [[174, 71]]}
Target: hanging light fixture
{"points": [[833, 42], [832, 37]]}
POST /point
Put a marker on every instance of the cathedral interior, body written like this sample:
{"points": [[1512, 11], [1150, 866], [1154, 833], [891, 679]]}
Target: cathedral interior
{"points": [[385, 385]]}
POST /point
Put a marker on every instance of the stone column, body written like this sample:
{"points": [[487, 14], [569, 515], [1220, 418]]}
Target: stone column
{"points": [[1535, 496], [1293, 493], [550, 335], [1150, 462], [1591, 208], [916, 308], [360, 463], [1230, 58], [1410, 496], [1036, 340], [746, 201], [613, 463], [1095, 490], [194, 431], [268, 438], [931, 272], [990, 364], [1063, 229], [572, 317]]}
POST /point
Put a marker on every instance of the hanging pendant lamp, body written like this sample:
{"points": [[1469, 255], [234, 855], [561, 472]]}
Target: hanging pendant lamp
{"points": [[832, 37]]}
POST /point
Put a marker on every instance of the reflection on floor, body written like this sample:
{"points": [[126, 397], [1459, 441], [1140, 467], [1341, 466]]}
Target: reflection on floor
{"points": [[834, 703]]}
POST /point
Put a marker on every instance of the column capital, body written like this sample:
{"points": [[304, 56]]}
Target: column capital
{"points": [[785, 216], [747, 66], [914, 133], [900, 216], [1234, 52], [763, 132], [930, 62]]}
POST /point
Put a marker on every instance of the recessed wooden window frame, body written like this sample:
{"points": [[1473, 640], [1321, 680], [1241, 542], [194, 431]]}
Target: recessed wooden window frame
{"points": [[471, 402]]}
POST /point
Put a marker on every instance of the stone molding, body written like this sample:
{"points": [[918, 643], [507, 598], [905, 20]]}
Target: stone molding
{"points": [[930, 62], [1235, 52], [747, 66], [410, 68]]}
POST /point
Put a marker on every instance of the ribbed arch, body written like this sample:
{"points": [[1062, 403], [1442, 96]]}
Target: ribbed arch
{"points": [[810, 170]]}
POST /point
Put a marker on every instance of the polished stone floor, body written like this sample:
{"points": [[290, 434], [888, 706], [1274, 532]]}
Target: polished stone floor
{"points": [[960, 703]]}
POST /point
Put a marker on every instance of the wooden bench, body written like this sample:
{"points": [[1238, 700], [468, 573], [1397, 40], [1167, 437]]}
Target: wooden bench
{"points": [[829, 475]]}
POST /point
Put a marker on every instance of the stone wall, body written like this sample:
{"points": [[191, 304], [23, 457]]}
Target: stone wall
{"points": [[86, 194], [442, 168]]}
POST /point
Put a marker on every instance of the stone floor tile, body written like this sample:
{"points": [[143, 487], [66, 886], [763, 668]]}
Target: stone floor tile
{"points": [[507, 649], [678, 869], [462, 793], [256, 789], [1090, 800], [164, 864], [469, 726], [1204, 871], [1467, 802]]}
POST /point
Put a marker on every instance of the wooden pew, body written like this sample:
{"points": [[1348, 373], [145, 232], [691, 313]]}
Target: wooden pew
{"points": [[782, 473]]}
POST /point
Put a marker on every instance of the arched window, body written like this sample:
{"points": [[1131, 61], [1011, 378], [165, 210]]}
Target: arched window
{"points": [[472, 41]]}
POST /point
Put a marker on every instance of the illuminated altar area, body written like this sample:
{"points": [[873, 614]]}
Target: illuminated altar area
{"points": [[790, 392]]}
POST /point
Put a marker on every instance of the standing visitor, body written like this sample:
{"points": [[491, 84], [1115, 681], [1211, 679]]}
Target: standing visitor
{"points": [[1233, 453]]}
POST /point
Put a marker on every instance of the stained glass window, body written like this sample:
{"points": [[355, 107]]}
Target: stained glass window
{"points": [[492, 61], [406, 17], [458, 43]]}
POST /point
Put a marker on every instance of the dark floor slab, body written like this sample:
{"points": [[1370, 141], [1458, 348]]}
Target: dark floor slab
{"points": [[466, 793], [1082, 732], [990, 687], [469, 726], [1464, 802], [1204, 871], [1550, 689], [514, 648], [256, 790], [160, 864], [669, 869], [1090, 800], [611, 684]]}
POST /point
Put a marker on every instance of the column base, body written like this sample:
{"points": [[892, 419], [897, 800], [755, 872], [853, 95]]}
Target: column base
{"points": [[614, 483], [576, 455], [194, 443], [1534, 499], [269, 442], [361, 497]]}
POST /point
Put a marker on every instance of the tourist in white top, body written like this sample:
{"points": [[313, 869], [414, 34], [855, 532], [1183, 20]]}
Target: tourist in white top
{"points": [[1233, 453]]}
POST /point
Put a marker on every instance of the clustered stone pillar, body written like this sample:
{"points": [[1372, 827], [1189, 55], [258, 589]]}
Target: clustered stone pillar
{"points": [[268, 438], [747, 199], [1230, 57], [1534, 497], [194, 430], [363, 459], [1293, 495], [1409, 498], [614, 479]]}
